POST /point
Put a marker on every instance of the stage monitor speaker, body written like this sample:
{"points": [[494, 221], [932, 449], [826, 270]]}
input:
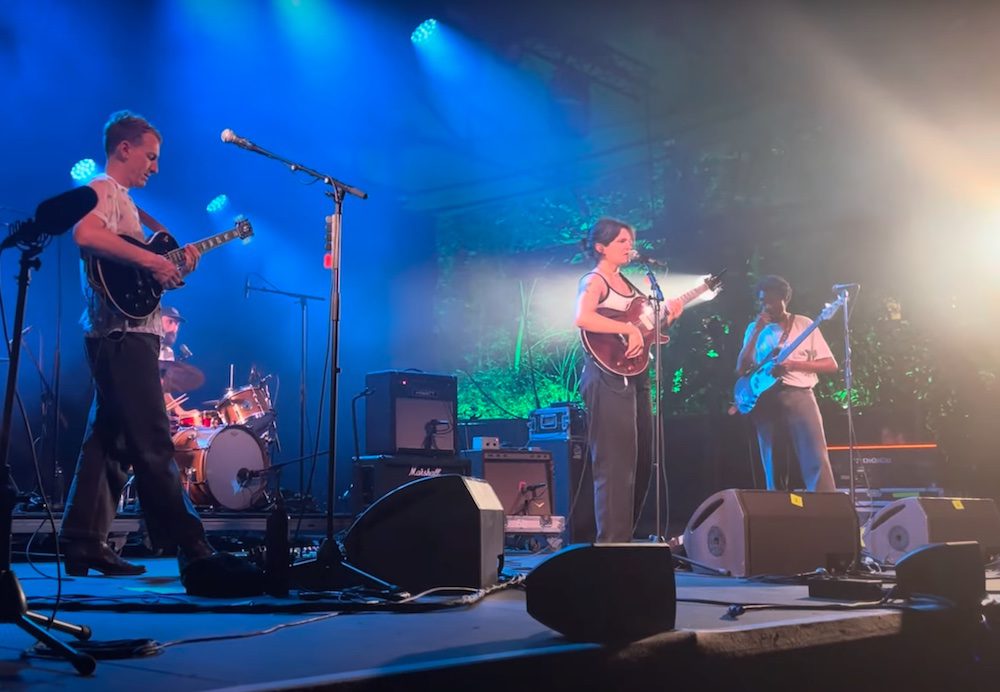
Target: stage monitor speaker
{"points": [[607, 592], [572, 485], [521, 478], [411, 413], [374, 476], [948, 570], [438, 531], [753, 532], [907, 524]]}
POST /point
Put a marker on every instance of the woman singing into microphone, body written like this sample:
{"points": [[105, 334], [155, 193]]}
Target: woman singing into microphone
{"points": [[619, 408]]}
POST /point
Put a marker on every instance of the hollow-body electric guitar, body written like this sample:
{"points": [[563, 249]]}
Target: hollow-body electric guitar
{"points": [[134, 292], [608, 350], [750, 386]]}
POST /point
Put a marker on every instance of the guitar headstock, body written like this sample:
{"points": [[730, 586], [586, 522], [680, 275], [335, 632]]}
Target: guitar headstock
{"points": [[243, 229], [714, 282], [831, 308]]}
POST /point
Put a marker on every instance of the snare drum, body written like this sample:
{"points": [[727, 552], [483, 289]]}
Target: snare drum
{"points": [[245, 405], [217, 463]]}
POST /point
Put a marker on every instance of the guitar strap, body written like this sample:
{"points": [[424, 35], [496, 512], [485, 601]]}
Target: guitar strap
{"points": [[786, 330], [149, 222]]}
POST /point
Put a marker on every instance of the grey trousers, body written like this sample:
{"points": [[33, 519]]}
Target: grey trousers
{"points": [[794, 409], [128, 425], [618, 422]]}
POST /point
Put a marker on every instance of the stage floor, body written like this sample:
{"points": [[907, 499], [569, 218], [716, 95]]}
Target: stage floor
{"points": [[493, 644]]}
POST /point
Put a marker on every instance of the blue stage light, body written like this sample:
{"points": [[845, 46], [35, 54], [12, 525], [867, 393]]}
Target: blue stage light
{"points": [[424, 31], [217, 204], [83, 171]]}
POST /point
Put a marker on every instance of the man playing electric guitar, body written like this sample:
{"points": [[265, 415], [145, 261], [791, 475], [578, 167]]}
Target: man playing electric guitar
{"points": [[128, 422], [790, 405]]}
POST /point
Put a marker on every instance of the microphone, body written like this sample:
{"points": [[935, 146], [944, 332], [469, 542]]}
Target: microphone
{"points": [[837, 288], [54, 216], [230, 137], [246, 289], [184, 352], [245, 475], [525, 488], [636, 256]]}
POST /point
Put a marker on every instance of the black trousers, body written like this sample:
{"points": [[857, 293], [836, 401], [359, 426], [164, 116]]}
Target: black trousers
{"points": [[619, 435], [128, 426]]}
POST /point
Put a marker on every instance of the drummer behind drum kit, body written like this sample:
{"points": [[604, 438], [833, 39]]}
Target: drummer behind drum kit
{"points": [[223, 452]]}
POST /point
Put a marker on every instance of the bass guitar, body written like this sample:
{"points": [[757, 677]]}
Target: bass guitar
{"points": [[608, 350], [750, 386], [134, 292]]}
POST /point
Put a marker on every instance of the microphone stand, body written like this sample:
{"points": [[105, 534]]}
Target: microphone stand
{"points": [[844, 295], [302, 299], [656, 297], [330, 569], [13, 604]]}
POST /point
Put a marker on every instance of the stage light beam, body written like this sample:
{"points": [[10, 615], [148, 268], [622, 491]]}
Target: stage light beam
{"points": [[424, 31], [83, 171], [218, 203]]}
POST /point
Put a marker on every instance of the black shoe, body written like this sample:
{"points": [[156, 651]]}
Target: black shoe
{"points": [[221, 575], [82, 556]]}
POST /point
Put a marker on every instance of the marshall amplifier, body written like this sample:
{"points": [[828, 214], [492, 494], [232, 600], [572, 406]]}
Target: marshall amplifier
{"points": [[410, 412], [374, 476]]}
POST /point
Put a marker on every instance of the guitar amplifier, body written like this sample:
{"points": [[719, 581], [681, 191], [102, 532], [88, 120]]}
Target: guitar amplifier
{"points": [[374, 476], [411, 413], [521, 478], [887, 466]]}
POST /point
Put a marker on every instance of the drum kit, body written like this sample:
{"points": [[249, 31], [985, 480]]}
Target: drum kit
{"points": [[223, 450]]}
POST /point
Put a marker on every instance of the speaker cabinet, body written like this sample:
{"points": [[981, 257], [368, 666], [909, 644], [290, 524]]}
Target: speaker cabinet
{"points": [[374, 476], [522, 479], [610, 592], [751, 532], [439, 531], [411, 413], [912, 522], [951, 570], [572, 485]]}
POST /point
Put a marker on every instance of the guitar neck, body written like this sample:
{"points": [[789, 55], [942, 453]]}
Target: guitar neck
{"points": [[686, 298], [206, 244]]}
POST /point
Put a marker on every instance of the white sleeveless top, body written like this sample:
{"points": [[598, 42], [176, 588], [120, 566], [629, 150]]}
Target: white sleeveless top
{"points": [[613, 299]]}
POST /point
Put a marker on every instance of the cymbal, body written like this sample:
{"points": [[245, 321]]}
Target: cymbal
{"points": [[180, 377]]}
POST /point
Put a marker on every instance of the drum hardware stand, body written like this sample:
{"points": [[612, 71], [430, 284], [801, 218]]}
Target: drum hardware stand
{"points": [[13, 604], [50, 413], [302, 299], [330, 569]]}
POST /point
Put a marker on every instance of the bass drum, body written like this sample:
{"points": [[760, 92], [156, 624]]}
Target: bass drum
{"points": [[218, 463]]}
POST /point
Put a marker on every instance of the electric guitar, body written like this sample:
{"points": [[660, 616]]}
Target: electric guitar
{"points": [[134, 292], [752, 385], [608, 350]]}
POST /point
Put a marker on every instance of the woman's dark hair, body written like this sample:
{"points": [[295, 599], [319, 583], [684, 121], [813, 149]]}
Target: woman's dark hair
{"points": [[772, 283], [604, 231]]}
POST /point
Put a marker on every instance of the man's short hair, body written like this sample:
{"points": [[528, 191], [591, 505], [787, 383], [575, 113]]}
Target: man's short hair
{"points": [[772, 283], [125, 126]]}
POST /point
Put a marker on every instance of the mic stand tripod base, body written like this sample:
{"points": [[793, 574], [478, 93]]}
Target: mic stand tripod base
{"points": [[14, 609], [330, 571]]}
